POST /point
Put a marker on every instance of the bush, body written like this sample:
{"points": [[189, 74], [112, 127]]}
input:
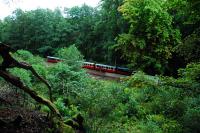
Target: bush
{"points": [[65, 110], [71, 56], [191, 72], [141, 103], [24, 75], [191, 120]]}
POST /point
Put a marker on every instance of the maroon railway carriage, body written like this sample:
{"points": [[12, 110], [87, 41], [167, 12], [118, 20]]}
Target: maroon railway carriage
{"points": [[98, 67], [52, 59], [106, 68]]}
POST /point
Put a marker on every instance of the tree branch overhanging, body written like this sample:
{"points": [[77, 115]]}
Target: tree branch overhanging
{"points": [[10, 62]]}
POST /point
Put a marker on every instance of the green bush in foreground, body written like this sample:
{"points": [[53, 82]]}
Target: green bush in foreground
{"points": [[139, 104]]}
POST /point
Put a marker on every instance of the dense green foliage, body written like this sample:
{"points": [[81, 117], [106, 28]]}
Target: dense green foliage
{"points": [[43, 31], [39, 31], [159, 30], [140, 103], [153, 37], [156, 36]]}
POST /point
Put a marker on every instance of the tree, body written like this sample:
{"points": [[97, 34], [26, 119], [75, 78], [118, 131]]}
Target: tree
{"points": [[151, 37], [39, 31], [83, 20], [186, 17], [110, 24]]}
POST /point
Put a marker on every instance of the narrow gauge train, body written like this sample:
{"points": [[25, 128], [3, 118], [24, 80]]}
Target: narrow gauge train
{"points": [[98, 67], [52, 59], [106, 68]]}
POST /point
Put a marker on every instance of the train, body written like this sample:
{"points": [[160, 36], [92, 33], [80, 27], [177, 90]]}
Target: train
{"points": [[107, 68], [52, 59], [97, 67]]}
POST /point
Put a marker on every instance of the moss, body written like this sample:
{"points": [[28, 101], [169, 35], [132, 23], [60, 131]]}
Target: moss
{"points": [[67, 129], [72, 123], [76, 122], [60, 127]]}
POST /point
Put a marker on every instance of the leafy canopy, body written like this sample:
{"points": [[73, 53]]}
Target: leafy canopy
{"points": [[151, 37]]}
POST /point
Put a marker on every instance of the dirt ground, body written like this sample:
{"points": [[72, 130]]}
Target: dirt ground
{"points": [[19, 120], [16, 118]]}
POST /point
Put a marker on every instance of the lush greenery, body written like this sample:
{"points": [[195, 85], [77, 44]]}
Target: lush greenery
{"points": [[155, 36], [160, 39], [139, 103]]}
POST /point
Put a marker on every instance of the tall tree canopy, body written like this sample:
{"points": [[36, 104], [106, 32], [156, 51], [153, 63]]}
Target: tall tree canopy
{"points": [[156, 36], [151, 37], [39, 30]]}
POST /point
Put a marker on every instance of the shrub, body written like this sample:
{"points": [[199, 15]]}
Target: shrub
{"points": [[191, 72], [191, 120], [71, 56]]}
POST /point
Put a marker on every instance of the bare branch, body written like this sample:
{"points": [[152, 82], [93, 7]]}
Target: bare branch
{"points": [[9, 62]]}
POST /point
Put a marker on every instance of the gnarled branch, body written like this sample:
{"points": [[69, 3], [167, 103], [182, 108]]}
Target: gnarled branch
{"points": [[9, 62]]}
